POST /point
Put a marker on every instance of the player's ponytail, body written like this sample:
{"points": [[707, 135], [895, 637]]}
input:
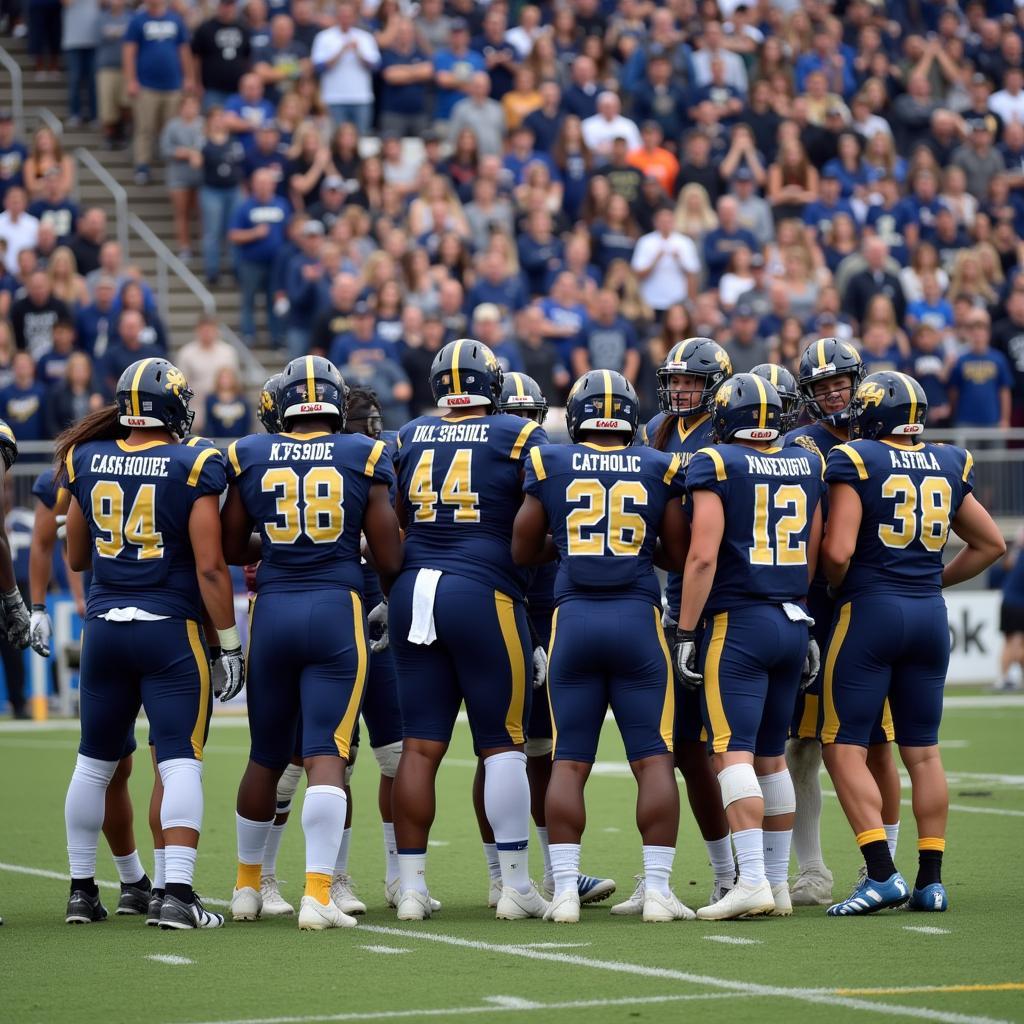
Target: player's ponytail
{"points": [[101, 425], [662, 434]]}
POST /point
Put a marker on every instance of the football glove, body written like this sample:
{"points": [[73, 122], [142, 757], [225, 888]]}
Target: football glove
{"points": [[812, 663], [540, 667], [233, 664], [16, 621], [378, 619], [217, 676], [41, 630], [684, 658]]}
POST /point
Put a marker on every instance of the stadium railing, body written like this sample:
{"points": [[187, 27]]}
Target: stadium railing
{"points": [[10, 65]]}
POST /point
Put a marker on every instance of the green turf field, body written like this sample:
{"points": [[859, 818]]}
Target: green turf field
{"points": [[966, 965]]}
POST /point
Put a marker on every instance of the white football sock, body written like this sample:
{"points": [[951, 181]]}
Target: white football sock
{"points": [[658, 867], [341, 864], [892, 837], [270, 851], [493, 864], [776, 855], [412, 872], [723, 864], [390, 852], [159, 875], [545, 849], [129, 868], [323, 821], [84, 808], [251, 838], [507, 803], [565, 866], [181, 864], [750, 855], [804, 760]]}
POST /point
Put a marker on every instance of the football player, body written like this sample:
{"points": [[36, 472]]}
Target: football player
{"points": [[606, 504], [143, 515], [829, 373], [755, 534], [310, 492], [786, 387], [688, 379], [457, 620], [892, 502]]}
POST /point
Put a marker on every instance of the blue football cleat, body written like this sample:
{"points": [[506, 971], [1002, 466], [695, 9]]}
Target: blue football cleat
{"points": [[931, 898], [870, 896], [593, 890]]}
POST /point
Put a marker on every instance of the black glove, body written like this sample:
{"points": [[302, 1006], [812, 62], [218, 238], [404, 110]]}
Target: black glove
{"points": [[233, 664], [684, 659]]}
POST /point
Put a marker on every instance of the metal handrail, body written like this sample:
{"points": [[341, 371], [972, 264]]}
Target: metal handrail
{"points": [[17, 91], [51, 120], [116, 190]]}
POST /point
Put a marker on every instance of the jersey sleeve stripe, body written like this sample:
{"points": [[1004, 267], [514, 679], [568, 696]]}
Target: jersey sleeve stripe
{"points": [[717, 459], [69, 463], [854, 456], [517, 448], [373, 458], [192, 442], [7, 432], [968, 465], [673, 468], [197, 467], [538, 464], [233, 457]]}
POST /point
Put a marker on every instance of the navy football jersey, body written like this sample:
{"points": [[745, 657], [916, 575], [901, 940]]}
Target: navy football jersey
{"points": [[683, 441], [307, 495], [460, 484], [47, 490], [604, 507], [909, 497], [137, 501], [769, 498]]}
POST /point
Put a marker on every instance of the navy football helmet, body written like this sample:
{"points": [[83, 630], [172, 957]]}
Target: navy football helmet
{"points": [[825, 359], [785, 383], [269, 411], [521, 395], [8, 445], [154, 393], [603, 401], [312, 386], [746, 408], [701, 356], [887, 404], [465, 373]]}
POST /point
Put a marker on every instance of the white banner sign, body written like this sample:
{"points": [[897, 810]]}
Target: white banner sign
{"points": [[974, 636]]}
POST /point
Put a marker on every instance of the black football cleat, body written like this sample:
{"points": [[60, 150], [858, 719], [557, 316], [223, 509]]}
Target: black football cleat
{"points": [[156, 902], [177, 915], [84, 909], [134, 900]]}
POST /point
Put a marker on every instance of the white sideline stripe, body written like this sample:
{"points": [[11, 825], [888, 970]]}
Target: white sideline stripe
{"points": [[744, 987], [385, 949], [732, 940], [487, 1007], [553, 945], [170, 958], [513, 1003], [1003, 812], [925, 929], [20, 869]]}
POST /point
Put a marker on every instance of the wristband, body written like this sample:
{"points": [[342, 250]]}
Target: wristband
{"points": [[39, 607], [683, 635], [229, 638]]}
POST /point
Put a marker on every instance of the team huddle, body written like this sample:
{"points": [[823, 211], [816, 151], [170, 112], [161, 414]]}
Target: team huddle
{"points": [[468, 562]]}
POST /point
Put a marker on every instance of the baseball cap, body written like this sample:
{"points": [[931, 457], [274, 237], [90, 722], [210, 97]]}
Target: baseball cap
{"points": [[333, 181], [743, 174], [745, 309], [486, 312], [362, 308], [311, 229], [459, 25]]}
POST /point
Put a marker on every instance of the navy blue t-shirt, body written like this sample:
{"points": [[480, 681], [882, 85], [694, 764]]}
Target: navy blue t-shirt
{"points": [[158, 63]]}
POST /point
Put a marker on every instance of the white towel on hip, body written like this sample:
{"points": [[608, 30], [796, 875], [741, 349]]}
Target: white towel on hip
{"points": [[421, 629]]}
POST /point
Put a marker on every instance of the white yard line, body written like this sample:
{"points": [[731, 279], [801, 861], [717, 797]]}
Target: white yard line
{"points": [[170, 958], [386, 950], [925, 929], [732, 940]]}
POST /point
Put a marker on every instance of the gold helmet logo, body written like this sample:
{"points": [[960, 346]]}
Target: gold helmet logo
{"points": [[723, 360], [870, 393], [174, 381], [266, 401], [724, 394]]}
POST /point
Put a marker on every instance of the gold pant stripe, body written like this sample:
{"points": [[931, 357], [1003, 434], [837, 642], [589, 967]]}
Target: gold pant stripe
{"points": [[203, 665], [510, 634], [720, 727], [668, 708], [831, 727], [808, 727], [343, 734]]}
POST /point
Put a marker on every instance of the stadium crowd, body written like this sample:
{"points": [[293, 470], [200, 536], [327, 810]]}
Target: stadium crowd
{"points": [[577, 184]]}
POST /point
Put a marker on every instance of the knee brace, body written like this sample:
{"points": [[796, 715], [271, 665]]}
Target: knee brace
{"points": [[388, 757], [286, 787], [738, 782], [540, 747], [779, 795], [94, 772], [182, 805]]}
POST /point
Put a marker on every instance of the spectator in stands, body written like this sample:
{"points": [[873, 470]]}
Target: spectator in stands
{"points": [[489, 327], [345, 57], [721, 242], [607, 340], [978, 157], [54, 207], [337, 317], [283, 61], [1011, 619], [406, 73], [454, 68], [601, 129], [68, 285], [222, 47], [133, 296], [980, 383], [227, 410], [201, 360], [13, 154], [72, 396], [23, 401], [94, 322], [157, 64], [220, 192], [79, 40], [747, 347], [181, 144], [1008, 338], [35, 314], [44, 24], [930, 366], [113, 102], [46, 155], [1008, 102], [665, 263], [481, 115], [52, 363], [88, 239], [874, 279], [247, 110]]}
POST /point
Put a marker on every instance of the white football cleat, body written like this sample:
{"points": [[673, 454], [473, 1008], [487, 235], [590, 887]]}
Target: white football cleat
{"points": [[344, 897], [246, 904], [635, 904], [274, 904], [413, 905], [391, 895], [315, 916], [494, 892], [742, 900], [565, 909], [517, 906], [783, 903], [659, 908], [812, 888]]}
